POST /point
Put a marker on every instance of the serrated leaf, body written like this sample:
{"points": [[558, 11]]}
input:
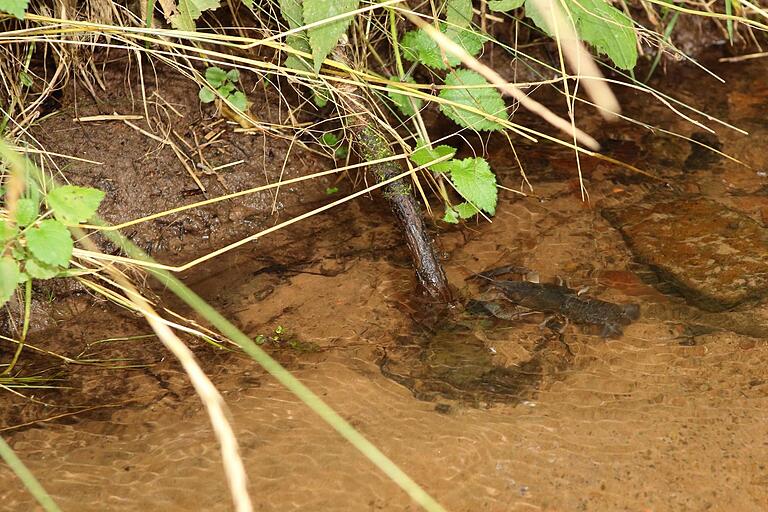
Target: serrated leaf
{"points": [[239, 100], [407, 105], [50, 242], [215, 76], [466, 210], [8, 231], [504, 5], [73, 205], [18, 253], [459, 12], [607, 29], [188, 11], [486, 99], [598, 24], [26, 211], [233, 75], [292, 12], [206, 95], [36, 269], [15, 7], [323, 38], [423, 154], [475, 181], [9, 278], [451, 215], [418, 46]]}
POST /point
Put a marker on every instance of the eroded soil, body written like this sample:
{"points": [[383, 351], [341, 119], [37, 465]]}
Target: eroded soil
{"points": [[487, 414]]}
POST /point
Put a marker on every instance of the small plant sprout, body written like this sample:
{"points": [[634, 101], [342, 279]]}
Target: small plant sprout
{"points": [[331, 140], [223, 83]]}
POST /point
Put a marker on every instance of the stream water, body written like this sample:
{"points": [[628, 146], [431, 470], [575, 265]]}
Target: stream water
{"points": [[487, 414]]}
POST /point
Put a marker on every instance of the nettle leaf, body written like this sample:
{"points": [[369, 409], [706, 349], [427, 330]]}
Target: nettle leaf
{"points": [[607, 29], [215, 76], [324, 37], [459, 12], [36, 269], [9, 278], [475, 181], [407, 105], [292, 12], [451, 215], [206, 95], [486, 99], [423, 154], [26, 211], [239, 100], [466, 210], [8, 231], [14, 7], [504, 5], [50, 243], [598, 24], [188, 11], [418, 46], [73, 205]]}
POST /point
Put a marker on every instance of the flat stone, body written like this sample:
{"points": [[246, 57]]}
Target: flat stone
{"points": [[715, 256]]}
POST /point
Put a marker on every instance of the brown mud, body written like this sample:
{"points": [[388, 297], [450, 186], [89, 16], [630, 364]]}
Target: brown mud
{"points": [[487, 414]]}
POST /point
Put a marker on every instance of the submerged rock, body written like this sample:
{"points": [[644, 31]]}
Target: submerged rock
{"points": [[715, 256]]}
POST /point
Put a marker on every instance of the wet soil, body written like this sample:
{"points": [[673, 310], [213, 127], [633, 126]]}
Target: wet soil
{"points": [[487, 414]]}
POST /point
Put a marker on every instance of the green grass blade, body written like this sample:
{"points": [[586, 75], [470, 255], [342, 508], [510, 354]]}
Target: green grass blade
{"points": [[27, 478]]}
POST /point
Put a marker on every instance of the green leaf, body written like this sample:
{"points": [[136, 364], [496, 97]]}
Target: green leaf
{"points": [[475, 182], [599, 24], [215, 76], [14, 7], [8, 231], [26, 211], [226, 89], [418, 46], [36, 269], [18, 253], [238, 100], [407, 105], [233, 75], [292, 12], [9, 278], [609, 30], [51, 243], [206, 95], [329, 139], [423, 154], [188, 11], [466, 210], [451, 215], [323, 38], [486, 99], [504, 5], [331, 190], [73, 205], [248, 3], [25, 79], [459, 13]]}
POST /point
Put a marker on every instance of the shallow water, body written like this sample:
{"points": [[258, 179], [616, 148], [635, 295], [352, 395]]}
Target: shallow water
{"points": [[486, 414]]}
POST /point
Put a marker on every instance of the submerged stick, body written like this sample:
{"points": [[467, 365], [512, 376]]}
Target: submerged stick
{"points": [[372, 145]]}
